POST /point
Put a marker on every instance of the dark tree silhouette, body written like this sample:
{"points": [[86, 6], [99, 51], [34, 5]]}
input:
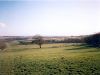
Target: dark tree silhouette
{"points": [[38, 40], [93, 40]]}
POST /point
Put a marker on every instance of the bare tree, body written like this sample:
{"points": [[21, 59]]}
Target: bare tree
{"points": [[38, 40]]}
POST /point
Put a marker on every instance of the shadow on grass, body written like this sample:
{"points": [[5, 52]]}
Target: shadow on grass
{"points": [[26, 49], [97, 50], [81, 47]]}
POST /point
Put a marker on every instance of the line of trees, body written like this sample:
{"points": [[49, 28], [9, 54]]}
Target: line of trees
{"points": [[93, 40]]}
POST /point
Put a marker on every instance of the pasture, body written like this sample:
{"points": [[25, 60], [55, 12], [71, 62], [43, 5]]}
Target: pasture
{"points": [[51, 59]]}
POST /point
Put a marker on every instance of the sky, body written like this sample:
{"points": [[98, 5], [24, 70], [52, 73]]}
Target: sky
{"points": [[49, 17]]}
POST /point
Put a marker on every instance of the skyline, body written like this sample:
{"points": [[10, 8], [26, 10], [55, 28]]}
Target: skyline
{"points": [[49, 18]]}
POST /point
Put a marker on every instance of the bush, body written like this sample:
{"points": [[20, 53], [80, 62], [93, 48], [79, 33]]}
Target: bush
{"points": [[93, 40], [2, 45], [25, 42]]}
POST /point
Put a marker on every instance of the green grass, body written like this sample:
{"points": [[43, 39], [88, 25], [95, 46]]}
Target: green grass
{"points": [[51, 59]]}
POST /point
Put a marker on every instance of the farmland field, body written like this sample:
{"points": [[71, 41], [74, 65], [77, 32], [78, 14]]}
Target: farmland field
{"points": [[51, 59]]}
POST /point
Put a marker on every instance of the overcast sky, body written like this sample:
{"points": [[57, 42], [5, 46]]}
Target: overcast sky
{"points": [[49, 17]]}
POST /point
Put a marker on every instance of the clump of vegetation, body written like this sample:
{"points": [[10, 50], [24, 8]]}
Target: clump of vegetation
{"points": [[24, 42], [3, 45], [61, 66], [93, 40]]}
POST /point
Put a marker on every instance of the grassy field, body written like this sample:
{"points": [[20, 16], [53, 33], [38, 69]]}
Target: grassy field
{"points": [[51, 59]]}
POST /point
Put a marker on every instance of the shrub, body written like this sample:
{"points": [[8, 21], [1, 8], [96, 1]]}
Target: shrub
{"points": [[24, 42], [2, 45], [93, 40]]}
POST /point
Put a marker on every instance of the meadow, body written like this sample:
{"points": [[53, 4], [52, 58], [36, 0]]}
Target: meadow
{"points": [[51, 59]]}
